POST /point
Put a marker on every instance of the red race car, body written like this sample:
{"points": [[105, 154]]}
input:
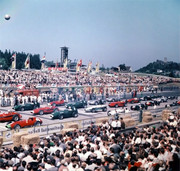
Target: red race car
{"points": [[45, 110], [57, 103], [117, 104], [10, 116], [133, 100], [32, 121], [150, 103]]}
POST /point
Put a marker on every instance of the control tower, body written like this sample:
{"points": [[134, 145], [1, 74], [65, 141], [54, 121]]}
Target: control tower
{"points": [[64, 54]]}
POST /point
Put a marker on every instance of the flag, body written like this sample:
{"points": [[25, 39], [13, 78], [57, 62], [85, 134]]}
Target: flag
{"points": [[27, 62], [65, 63], [13, 59], [89, 66], [97, 67], [79, 64], [43, 58]]}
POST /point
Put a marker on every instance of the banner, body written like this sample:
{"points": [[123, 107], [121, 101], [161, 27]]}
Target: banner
{"points": [[27, 62]]}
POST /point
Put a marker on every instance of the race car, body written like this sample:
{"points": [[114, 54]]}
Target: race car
{"points": [[138, 107], [10, 116], [113, 99], [115, 112], [133, 100], [26, 106], [97, 102], [96, 108], [177, 103], [117, 104], [145, 98], [57, 103], [71, 111], [45, 110], [150, 103], [78, 104], [32, 121]]}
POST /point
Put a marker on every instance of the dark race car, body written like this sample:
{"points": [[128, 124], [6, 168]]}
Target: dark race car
{"points": [[78, 104], [26, 106], [138, 107], [10, 116], [32, 121], [145, 98], [71, 111], [45, 110], [57, 103], [177, 103]]}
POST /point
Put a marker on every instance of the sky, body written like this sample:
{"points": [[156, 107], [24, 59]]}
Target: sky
{"points": [[111, 32]]}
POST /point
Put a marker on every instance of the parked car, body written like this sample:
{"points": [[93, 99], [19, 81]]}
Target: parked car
{"points": [[172, 97], [78, 104], [115, 112], [133, 100], [177, 103], [10, 116], [26, 106], [71, 111], [150, 103], [45, 110], [138, 107], [164, 99], [32, 121], [97, 102], [117, 104], [57, 103], [145, 98], [96, 108], [113, 99]]}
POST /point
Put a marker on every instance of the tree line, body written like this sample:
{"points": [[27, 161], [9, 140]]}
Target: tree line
{"points": [[5, 60]]}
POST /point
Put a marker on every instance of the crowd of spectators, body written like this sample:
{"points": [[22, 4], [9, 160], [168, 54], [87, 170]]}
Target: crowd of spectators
{"points": [[100, 148], [49, 78]]}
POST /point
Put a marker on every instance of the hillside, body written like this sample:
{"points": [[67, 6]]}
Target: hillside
{"points": [[169, 68]]}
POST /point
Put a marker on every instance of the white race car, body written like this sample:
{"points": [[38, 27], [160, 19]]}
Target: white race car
{"points": [[96, 108], [115, 112]]}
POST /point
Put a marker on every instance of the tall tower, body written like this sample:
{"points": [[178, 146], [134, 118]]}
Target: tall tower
{"points": [[64, 54]]}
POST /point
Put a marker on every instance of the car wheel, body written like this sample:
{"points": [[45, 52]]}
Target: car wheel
{"points": [[41, 112], [93, 110], [17, 127], [75, 115], [15, 118], [116, 105], [96, 103], [54, 104], [37, 124], [61, 117], [109, 113], [104, 109], [22, 109]]}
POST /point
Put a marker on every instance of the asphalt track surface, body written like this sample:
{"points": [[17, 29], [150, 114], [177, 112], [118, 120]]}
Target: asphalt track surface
{"points": [[84, 115]]}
